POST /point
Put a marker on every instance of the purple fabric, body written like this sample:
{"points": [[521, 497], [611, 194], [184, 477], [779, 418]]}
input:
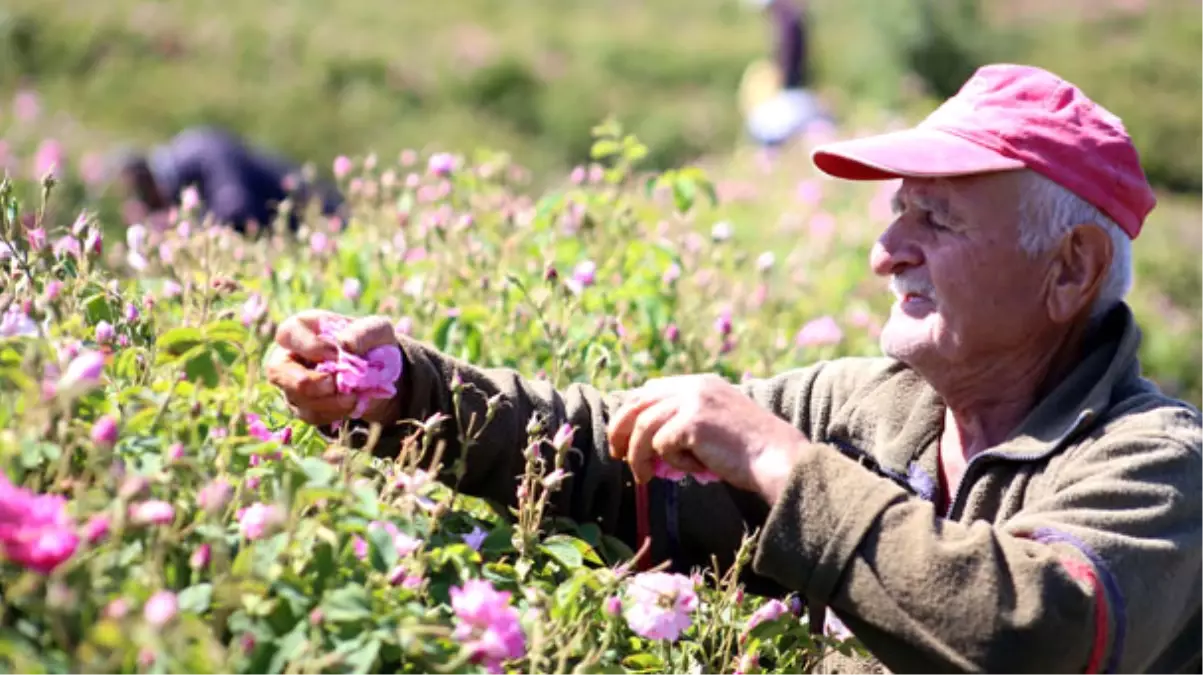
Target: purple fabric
{"points": [[236, 183], [923, 484]]}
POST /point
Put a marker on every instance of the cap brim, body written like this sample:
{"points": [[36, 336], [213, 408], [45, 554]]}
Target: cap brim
{"points": [[912, 153]]}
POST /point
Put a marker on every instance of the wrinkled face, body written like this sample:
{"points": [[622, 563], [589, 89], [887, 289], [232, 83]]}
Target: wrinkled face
{"points": [[965, 290]]}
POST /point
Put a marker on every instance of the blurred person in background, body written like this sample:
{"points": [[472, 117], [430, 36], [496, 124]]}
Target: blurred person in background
{"points": [[239, 186], [776, 97]]}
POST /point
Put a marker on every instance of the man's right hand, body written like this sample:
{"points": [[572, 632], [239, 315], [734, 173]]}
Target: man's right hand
{"points": [[292, 366]]}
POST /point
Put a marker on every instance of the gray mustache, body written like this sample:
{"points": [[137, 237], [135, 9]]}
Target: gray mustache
{"points": [[901, 286]]}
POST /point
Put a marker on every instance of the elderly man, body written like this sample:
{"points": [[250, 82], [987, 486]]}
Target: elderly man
{"points": [[1002, 491]]}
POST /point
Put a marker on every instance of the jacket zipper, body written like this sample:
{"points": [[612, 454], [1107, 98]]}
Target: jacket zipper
{"points": [[1085, 417]]}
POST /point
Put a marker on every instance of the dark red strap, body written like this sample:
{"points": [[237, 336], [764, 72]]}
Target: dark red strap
{"points": [[643, 528]]}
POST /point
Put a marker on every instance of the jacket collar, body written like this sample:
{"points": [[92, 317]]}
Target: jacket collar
{"points": [[900, 416]]}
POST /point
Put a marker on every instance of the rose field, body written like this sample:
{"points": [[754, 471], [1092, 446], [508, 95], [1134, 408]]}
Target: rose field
{"points": [[163, 512]]}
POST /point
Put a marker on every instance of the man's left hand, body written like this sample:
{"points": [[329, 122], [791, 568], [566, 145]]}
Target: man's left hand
{"points": [[703, 423]]}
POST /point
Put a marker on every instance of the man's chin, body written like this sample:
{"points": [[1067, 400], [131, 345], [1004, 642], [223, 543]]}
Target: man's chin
{"points": [[903, 345]]}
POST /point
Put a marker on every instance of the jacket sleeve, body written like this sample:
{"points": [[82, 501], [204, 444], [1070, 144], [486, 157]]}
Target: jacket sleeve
{"points": [[1103, 575], [690, 524]]}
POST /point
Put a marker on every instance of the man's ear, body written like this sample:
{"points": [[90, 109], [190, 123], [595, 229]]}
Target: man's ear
{"points": [[1079, 266]]}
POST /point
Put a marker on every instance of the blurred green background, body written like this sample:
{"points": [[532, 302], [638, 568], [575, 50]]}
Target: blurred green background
{"points": [[315, 79]]}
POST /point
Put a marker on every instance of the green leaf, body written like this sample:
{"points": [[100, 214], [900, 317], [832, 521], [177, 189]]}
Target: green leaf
{"points": [[243, 562], [500, 572], [289, 647], [200, 366], [604, 148], [363, 660], [318, 472], [499, 540], [590, 533], [97, 309], [383, 552], [562, 549], [177, 341], [196, 599], [349, 603], [642, 663], [443, 331], [684, 193], [615, 549], [140, 421], [228, 330]]}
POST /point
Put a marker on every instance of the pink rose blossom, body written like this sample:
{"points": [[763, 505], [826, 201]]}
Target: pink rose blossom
{"points": [[49, 158], [441, 164], [200, 557], [723, 325], [260, 520], [67, 245], [411, 482], [810, 192], [104, 431], [117, 608], [35, 530], [342, 167], [254, 308], [613, 605], [487, 625], [36, 238], [104, 331], [96, 529], [257, 429], [152, 512], [659, 605], [214, 496], [369, 377], [16, 323], [821, 331], [94, 242], [26, 105], [769, 611], [160, 608], [403, 543]]}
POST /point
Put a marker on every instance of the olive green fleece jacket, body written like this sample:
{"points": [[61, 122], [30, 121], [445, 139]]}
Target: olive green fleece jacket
{"points": [[1073, 546]]}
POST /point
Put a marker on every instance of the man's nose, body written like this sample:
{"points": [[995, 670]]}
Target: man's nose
{"points": [[893, 253]]}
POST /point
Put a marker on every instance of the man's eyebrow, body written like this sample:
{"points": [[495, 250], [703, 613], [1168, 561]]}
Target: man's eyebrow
{"points": [[940, 206]]}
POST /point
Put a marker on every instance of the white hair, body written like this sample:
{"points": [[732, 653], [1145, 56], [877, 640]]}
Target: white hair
{"points": [[1048, 211]]}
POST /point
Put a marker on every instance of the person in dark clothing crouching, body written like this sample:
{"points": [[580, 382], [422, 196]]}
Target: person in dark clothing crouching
{"points": [[239, 186]]}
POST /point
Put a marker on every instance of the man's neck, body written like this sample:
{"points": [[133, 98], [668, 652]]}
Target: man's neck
{"points": [[985, 407]]}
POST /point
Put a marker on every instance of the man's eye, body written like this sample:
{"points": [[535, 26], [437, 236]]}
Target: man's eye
{"points": [[930, 220]]}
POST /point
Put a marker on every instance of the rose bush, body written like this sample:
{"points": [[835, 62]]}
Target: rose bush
{"points": [[162, 512]]}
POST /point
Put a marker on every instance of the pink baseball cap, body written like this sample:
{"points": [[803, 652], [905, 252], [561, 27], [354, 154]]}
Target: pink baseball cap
{"points": [[1008, 117]]}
